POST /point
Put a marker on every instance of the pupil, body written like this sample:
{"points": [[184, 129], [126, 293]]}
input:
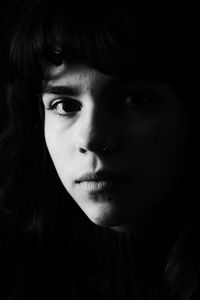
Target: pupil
{"points": [[70, 106]]}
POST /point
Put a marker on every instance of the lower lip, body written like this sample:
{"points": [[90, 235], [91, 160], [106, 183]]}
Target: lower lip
{"points": [[98, 186]]}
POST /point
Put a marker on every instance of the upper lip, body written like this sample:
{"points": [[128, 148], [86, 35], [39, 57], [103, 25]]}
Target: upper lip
{"points": [[100, 176]]}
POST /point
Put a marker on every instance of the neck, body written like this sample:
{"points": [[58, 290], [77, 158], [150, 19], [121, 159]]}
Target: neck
{"points": [[165, 220]]}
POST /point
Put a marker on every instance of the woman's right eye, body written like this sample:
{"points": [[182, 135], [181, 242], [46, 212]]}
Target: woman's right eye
{"points": [[65, 107]]}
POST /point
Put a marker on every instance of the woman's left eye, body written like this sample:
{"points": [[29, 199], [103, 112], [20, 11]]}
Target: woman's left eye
{"points": [[137, 99]]}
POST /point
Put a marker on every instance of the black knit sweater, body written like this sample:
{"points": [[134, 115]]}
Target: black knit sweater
{"points": [[85, 262]]}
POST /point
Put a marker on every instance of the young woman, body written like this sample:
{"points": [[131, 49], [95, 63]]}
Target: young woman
{"points": [[99, 152]]}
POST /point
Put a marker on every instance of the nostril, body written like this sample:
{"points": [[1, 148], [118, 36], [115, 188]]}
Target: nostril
{"points": [[98, 146], [82, 150], [95, 139]]}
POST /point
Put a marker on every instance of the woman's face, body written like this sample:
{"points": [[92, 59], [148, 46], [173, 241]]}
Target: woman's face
{"points": [[116, 143]]}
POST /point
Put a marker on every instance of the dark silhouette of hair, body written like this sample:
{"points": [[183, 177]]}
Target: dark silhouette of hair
{"points": [[145, 39]]}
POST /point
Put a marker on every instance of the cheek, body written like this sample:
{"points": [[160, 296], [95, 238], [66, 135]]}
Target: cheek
{"points": [[60, 145], [158, 149]]}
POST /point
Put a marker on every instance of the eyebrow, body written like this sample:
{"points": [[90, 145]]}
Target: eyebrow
{"points": [[73, 90], [62, 90]]}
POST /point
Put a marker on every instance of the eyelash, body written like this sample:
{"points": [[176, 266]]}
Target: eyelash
{"points": [[76, 106]]}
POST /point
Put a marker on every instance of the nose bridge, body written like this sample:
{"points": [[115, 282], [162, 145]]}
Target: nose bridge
{"points": [[94, 122], [95, 129]]}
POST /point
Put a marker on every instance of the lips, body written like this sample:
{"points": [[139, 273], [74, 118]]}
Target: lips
{"points": [[100, 176], [100, 181]]}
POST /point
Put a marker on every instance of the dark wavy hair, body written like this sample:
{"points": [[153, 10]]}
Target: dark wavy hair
{"points": [[142, 38]]}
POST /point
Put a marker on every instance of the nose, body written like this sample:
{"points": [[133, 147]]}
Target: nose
{"points": [[97, 132]]}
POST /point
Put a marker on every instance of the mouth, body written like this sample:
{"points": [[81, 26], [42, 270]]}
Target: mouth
{"points": [[100, 181]]}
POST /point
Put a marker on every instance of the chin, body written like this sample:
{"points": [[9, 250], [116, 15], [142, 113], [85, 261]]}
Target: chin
{"points": [[105, 215], [101, 221]]}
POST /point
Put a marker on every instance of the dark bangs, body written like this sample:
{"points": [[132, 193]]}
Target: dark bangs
{"points": [[107, 35]]}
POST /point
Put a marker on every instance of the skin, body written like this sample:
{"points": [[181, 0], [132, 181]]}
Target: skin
{"points": [[143, 123]]}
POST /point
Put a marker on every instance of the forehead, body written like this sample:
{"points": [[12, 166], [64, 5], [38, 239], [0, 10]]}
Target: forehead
{"points": [[76, 75]]}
